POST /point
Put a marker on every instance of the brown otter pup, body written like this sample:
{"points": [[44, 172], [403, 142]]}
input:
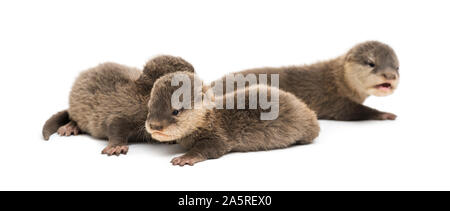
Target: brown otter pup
{"points": [[336, 89], [209, 132], [110, 102]]}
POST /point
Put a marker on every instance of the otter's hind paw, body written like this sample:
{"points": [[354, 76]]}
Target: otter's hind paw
{"points": [[69, 129]]}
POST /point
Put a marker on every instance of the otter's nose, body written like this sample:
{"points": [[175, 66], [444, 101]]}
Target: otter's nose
{"points": [[155, 126], [389, 76]]}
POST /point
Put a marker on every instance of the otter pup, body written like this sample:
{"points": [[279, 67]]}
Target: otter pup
{"points": [[209, 132], [336, 89], [110, 102]]}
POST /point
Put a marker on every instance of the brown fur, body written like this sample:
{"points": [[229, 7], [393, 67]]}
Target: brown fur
{"points": [[336, 89], [110, 101], [210, 133], [52, 124]]}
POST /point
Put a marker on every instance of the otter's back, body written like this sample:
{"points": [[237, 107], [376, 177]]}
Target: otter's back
{"points": [[102, 93], [296, 123]]}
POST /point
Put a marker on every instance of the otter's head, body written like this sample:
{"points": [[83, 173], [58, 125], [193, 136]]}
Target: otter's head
{"points": [[172, 114], [372, 68], [165, 64]]}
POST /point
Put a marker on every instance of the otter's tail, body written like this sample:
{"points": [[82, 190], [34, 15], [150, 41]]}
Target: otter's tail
{"points": [[51, 125]]}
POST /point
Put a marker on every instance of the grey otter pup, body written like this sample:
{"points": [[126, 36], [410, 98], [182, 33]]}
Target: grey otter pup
{"points": [[336, 89], [110, 102], [209, 133]]}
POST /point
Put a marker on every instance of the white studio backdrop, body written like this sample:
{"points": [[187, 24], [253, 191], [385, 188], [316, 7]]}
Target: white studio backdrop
{"points": [[45, 44]]}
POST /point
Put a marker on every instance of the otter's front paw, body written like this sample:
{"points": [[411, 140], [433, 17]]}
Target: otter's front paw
{"points": [[187, 160], [386, 116], [115, 150]]}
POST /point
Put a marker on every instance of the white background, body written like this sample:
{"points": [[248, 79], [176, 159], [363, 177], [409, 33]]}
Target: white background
{"points": [[45, 44]]}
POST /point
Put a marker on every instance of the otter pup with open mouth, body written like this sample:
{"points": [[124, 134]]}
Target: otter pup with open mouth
{"points": [[209, 132], [336, 89]]}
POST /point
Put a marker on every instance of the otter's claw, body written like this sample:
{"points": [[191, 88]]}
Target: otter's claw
{"points": [[69, 129], [187, 160], [115, 150]]}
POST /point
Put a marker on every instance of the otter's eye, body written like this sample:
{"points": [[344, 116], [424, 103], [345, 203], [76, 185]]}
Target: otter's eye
{"points": [[370, 64], [175, 112]]}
